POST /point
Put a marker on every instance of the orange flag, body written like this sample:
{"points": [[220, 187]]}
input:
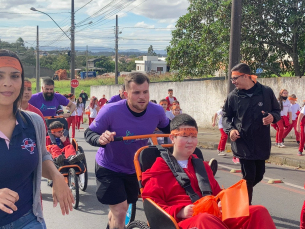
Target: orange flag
{"points": [[234, 202]]}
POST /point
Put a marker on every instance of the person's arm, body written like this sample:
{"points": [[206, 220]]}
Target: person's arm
{"points": [[275, 107], [167, 129], [92, 138], [228, 114], [214, 119], [71, 107], [300, 117]]}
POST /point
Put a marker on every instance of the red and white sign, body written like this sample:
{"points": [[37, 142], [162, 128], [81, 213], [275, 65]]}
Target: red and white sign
{"points": [[74, 83]]}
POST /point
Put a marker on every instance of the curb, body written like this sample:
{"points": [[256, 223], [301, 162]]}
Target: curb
{"points": [[275, 181], [274, 159]]}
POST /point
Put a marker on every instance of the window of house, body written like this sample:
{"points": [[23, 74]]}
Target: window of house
{"points": [[159, 69]]}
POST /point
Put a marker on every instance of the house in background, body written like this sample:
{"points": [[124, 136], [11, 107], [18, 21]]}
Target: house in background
{"points": [[152, 64], [91, 62]]}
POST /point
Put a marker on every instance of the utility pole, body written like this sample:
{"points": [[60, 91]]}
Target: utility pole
{"points": [[37, 63], [72, 73], [234, 52], [116, 49], [87, 62]]}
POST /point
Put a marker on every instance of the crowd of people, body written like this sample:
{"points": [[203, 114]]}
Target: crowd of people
{"points": [[131, 113]]}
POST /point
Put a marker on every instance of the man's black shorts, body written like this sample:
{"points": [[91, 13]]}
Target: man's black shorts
{"points": [[114, 188]]}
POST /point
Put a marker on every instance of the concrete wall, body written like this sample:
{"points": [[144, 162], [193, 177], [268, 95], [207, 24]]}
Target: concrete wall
{"points": [[202, 99], [30, 71]]}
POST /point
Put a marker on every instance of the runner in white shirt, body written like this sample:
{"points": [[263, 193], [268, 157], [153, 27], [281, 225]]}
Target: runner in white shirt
{"points": [[294, 110], [300, 129], [286, 119], [79, 110], [93, 108], [223, 139]]}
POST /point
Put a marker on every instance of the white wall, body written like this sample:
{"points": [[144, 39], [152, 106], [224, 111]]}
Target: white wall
{"points": [[201, 99]]}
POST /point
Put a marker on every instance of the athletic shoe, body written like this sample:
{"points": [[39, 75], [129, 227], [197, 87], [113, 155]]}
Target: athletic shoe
{"points": [[60, 160], [214, 165], [281, 145], [221, 153], [235, 160], [76, 158], [300, 153]]}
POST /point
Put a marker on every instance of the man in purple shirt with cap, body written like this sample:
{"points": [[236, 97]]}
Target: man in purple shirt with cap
{"points": [[47, 101], [117, 184], [118, 97]]}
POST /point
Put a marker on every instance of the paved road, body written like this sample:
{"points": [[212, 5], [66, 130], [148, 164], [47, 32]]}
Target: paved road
{"points": [[283, 201]]}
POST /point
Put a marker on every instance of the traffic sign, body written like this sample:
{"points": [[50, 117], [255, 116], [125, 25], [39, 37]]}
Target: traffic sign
{"points": [[74, 83]]}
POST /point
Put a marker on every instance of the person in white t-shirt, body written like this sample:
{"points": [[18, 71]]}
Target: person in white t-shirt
{"points": [[286, 117], [169, 114], [79, 111], [224, 136], [294, 110], [71, 120], [93, 108]]}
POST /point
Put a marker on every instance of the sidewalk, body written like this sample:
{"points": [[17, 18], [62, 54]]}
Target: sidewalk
{"points": [[209, 139]]}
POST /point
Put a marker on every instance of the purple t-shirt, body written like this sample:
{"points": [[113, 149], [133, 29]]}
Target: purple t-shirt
{"points": [[118, 156], [48, 108], [114, 98]]}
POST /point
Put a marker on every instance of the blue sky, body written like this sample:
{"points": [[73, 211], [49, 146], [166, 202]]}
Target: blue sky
{"points": [[141, 22]]}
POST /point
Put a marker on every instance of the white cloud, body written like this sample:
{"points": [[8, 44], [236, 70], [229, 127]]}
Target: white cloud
{"points": [[143, 24]]}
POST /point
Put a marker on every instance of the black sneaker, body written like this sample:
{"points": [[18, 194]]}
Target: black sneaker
{"points": [[60, 160], [76, 158], [298, 142], [214, 165]]}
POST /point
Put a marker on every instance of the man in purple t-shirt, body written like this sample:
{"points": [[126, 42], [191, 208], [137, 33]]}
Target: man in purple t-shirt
{"points": [[118, 97], [117, 184], [47, 101]]}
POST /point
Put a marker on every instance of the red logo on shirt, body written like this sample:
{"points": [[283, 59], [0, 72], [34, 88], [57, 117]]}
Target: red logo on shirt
{"points": [[29, 145]]}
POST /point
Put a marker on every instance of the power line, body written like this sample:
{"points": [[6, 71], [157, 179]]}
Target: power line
{"points": [[84, 6]]}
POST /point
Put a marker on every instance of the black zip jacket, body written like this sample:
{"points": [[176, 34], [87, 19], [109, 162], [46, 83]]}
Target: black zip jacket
{"points": [[243, 112]]}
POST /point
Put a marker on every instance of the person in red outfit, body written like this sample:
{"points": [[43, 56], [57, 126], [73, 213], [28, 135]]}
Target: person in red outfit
{"points": [[102, 101], [161, 186], [72, 118], [170, 99], [60, 146], [27, 94]]}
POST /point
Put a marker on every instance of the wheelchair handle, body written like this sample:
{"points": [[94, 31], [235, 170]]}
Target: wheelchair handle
{"points": [[153, 137], [53, 117]]}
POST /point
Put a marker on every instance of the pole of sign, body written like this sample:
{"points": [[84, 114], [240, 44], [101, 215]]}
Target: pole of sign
{"points": [[116, 50], [37, 63], [72, 45], [234, 52]]}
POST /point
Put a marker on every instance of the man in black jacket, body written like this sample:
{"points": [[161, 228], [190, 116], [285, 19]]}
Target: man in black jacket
{"points": [[247, 114]]}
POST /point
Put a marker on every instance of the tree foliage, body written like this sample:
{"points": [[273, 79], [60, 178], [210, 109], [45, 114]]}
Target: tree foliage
{"points": [[272, 37], [150, 51], [106, 63]]}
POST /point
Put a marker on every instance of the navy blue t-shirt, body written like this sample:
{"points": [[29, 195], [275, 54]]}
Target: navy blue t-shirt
{"points": [[17, 166]]}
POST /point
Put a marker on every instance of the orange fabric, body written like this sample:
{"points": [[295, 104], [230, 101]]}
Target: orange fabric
{"points": [[185, 132], [7, 61], [282, 91], [234, 202], [27, 84], [253, 77], [293, 99], [55, 130], [174, 107], [207, 204]]}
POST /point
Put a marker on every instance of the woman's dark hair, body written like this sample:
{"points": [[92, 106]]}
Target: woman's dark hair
{"points": [[78, 102], [56, 125], [92, 102], [182, 120], [280, 99], [17, 102], [242, 68]]}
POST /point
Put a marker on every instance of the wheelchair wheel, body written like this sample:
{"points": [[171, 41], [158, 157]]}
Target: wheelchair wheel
{"points": [[131, 214], [73, 184], [83, 178], [137, 224]]}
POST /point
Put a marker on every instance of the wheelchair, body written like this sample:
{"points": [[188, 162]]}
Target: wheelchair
{"points": [[144, 158], [76, 175]]}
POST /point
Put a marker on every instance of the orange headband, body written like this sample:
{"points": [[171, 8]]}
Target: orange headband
{"points": [[27, 84], [293, 99], [175, 107], [163, 103], [7, 61], [253, 77], [55, 130], [282, 91], [185, 132]]}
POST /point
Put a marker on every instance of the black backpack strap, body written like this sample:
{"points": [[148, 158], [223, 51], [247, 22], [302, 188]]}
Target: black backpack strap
{"points": [[52, 138], [202, 177], [179, 174]]}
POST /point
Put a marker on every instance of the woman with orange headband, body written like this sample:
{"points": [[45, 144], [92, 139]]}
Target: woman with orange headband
{"points": [[286, 118], [24, 158], [295, 107]]}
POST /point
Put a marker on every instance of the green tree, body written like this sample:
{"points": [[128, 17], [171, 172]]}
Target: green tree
{"points": [[106, 63], [61, 62], [271, 32], [150, 51], [127, 66]]}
